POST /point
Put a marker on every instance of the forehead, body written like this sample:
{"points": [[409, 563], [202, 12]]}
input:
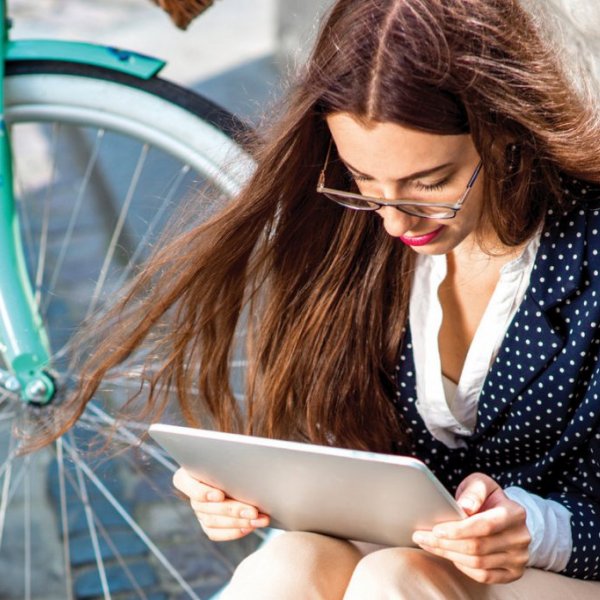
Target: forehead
{"points": [[391, 150]]}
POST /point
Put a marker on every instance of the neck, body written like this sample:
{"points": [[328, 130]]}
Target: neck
{"points": [[479, 255]]}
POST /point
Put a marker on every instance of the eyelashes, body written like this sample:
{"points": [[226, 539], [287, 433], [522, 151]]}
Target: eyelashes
{"points": [[432, 187], [421, 187], [353, 178]]}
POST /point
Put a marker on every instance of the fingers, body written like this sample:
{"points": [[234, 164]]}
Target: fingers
{"points": [[494, 559], [473, 492], [225, 535], [490, 576], [228, 508], [219, 526], [194, 489], [221, 518], [488, 562], [229, 514], [510, 547], [476, 546], [506, 516], [492, 544], [221, 529]]}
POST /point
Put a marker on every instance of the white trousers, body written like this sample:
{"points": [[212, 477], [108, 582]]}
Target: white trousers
{"points": [[307, 566]]}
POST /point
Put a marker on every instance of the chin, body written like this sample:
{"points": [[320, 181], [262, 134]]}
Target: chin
{"points": [[431, 250]]}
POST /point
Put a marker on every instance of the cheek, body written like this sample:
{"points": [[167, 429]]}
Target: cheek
{"points": [[470, 214], [474, 203]]}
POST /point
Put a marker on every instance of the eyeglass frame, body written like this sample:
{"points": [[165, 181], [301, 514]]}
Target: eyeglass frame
{"points": [[397, 204]]}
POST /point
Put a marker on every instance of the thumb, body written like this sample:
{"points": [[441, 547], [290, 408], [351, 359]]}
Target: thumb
{"points": [[473, 491]]}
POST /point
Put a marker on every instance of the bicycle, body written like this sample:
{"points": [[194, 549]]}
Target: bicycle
{"points": [[77, 118]]}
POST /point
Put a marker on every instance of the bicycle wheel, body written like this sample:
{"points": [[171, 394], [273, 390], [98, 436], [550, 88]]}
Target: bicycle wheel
{"points": [[101, 161]]}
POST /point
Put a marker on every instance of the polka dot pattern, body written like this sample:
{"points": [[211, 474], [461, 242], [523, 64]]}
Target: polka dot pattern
{"points": [[538, 423]]}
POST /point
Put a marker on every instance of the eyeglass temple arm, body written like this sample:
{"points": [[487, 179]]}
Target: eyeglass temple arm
{"points": [[474, 176], [470, 184]]}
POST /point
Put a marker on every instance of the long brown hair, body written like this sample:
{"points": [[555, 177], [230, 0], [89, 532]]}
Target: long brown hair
{"points": [[322, 291]]}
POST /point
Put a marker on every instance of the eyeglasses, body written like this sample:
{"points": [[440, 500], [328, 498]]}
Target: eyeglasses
{"points": [[426, 210]]}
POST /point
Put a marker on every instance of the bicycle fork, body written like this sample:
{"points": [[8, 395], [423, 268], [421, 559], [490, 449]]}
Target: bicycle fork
{"points": [[24, 345], [23, 341]]}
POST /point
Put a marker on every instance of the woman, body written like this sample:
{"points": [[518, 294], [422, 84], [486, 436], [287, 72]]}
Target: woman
{"points": [[415, 260]]}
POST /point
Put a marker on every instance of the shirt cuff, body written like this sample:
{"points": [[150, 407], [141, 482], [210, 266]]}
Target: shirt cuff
{"points": [[549, 525]]}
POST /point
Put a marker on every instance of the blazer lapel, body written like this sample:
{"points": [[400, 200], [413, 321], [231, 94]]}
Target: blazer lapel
{"points": [[537, 332]]}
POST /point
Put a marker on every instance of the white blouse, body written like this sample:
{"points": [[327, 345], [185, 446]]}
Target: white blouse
{"points": [[449, 410]]}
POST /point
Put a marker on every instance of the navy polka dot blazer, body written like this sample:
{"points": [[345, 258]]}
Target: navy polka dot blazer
{"points": [[538, 420]]}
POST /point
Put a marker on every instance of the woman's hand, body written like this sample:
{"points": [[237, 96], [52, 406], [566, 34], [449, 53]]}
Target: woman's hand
{"points": [[491, 544], [221, 518]]}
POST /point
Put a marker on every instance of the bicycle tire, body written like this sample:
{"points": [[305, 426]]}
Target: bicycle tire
{"points": [[50, 107]]}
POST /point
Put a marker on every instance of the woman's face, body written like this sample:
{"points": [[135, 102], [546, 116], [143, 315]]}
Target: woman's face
{"points": [[390, 161]]}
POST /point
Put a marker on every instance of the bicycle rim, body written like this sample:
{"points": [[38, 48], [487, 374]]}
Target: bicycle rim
{"points": [[100, 166]]}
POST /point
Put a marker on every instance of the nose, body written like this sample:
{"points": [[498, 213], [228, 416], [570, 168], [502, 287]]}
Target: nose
{"points": [[395, 222]]}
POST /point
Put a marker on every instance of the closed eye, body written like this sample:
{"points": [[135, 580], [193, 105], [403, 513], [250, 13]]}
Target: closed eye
{"points": [[354, 177], [432, 187]]}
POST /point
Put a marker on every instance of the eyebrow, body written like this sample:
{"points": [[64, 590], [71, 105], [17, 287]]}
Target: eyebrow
{"points": [[410, 177]]}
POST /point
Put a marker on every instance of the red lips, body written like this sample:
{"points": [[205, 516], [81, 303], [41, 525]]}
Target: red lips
{"points": [[421, 240]]}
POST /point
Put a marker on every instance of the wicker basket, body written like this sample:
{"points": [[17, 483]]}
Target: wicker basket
{"points": [[183, 12]]}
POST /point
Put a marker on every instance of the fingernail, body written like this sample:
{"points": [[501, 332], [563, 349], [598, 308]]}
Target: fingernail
{"points": [[419, 538], [215, 496], [248, 513], [258, 522], [467, 503]]}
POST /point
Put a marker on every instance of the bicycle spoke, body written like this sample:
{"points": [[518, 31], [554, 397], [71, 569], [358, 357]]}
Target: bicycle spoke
{"points": [[41, 261], [109, 542], [118, 228], [27, 526], [90, 213], [64, 517], [7, 416], [133, 439], [155, 453], [124, 438], [21, 201], [119, 558], [5, 489], [66, 241], [82, 490], [8, 461], [95, 421], [130, 521], [6, 396], [145, 241]]}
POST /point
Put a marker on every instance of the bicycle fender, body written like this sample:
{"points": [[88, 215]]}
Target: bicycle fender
{"points": [[116, 59]]}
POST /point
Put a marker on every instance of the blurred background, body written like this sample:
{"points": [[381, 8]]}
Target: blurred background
{"points": [[238, 51], [235, 53], [239, 54]]}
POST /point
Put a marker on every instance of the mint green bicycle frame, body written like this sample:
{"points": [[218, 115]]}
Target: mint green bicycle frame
{"points": [[24, 344]]}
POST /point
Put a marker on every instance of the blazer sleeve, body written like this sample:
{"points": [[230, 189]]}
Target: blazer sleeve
{"points": [[580, 483], [576, 458]]}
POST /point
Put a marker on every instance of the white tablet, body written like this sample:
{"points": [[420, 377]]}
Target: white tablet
{"points": [[349, 494]]}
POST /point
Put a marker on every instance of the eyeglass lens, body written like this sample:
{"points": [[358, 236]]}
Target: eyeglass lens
{"points": [[430, 212]]}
